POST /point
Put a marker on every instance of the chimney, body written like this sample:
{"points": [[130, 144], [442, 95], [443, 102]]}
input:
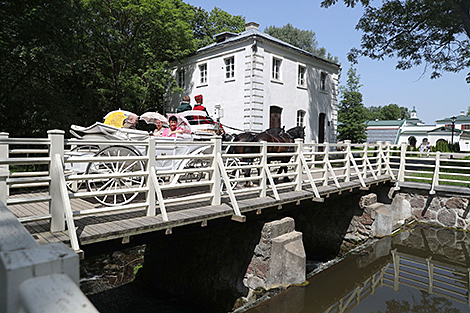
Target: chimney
{"points": [[251, 25]]}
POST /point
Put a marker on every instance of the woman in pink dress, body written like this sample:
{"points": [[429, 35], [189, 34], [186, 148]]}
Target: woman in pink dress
{"points": [[173, 130]]}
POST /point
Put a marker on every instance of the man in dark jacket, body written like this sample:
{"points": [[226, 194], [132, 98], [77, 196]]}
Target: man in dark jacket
{"points": [[184, 106]]}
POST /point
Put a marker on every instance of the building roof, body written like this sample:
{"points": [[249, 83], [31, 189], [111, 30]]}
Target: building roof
{"points": [[458, 119], [396, 123], [231, 38]]}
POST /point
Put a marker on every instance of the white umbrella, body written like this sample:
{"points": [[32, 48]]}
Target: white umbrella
{"points": [[152, 117]]}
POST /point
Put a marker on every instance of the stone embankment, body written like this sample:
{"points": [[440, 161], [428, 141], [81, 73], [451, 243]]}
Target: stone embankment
{"points": [[442, 211]]}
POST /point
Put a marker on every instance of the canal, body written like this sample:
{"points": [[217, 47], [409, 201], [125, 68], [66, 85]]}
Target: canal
{"points": [[424, 269]]}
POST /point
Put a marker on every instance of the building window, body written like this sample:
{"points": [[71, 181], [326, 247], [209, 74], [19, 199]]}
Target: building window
{"points": [[300, 118], [180, 78], [203, 74], [301, 79], [276, 74], [229, 68], [465, 126], [323, 81]]}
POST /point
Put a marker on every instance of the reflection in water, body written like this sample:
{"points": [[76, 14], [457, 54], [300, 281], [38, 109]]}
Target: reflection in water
{"points": [[423, 270]]}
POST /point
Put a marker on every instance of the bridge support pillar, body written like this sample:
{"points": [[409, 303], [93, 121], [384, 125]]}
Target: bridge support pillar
{"points": [[279, 259]]}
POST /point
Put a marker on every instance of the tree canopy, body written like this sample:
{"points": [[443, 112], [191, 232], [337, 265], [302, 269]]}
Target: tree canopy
{"points": [[418, 32], [208, 24], [303, 39], [387, 112], [351, 112], [73, 61]]}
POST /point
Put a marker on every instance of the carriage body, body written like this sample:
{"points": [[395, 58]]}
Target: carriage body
{"points": [[101, 140]]}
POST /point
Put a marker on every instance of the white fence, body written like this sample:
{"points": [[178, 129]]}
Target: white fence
{"points": [[130, 175]]}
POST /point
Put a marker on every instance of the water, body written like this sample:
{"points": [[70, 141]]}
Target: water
{"points": [[423, 270]]}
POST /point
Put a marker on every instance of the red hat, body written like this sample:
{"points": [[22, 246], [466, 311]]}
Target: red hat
{"points": [[198, 97]]}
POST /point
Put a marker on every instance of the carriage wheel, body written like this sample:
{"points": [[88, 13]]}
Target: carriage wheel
{"points": [[232, 174], [76, 185], [115, 183], [194, 176]]}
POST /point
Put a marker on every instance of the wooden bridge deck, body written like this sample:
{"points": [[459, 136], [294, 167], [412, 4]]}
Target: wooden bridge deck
{"points": [[114, 225]]}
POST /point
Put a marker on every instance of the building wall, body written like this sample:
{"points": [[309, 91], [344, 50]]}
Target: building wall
{"points": [[247, 98]]}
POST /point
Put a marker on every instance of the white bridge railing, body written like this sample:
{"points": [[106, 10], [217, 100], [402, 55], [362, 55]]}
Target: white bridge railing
{"points": [[41, 170]]}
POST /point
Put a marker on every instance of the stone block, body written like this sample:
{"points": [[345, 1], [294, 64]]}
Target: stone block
{"points": [[288, 261], [277, 228], [447, 217], [456, 203], [19, 265], [367, 200], [400, 209], [382, 225]]}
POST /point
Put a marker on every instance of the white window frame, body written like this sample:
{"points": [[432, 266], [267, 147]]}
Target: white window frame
{"points": [[323, 81], [202, 74], [301, 76], [180, 78], [229, 65], [276, 69], [300, 118]]}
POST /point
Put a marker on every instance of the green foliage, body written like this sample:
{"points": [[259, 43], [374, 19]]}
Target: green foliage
{"points": [[73, 61], [387, 112], [208, 24], [433, 33], [442, 146], [351, 112], [303, 39]]}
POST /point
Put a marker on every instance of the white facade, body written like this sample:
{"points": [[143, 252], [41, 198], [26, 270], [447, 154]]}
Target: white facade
{"points": [[257, 79]]}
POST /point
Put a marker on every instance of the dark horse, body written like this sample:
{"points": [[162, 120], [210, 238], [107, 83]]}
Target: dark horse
{"points": [[275, 134], [288, 136]]}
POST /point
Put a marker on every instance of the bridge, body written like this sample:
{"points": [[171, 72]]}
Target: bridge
{"points": [[135, 195]]}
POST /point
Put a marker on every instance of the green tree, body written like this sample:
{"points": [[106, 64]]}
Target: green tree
{"points": [[387, 112], [208, 24], [67, 62], [433, 33], [42, 77], [132, 44], [351, 112], [303, 39]]}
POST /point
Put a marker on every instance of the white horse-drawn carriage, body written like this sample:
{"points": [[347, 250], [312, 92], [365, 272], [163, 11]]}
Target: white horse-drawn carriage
{"points": [[115, 158]]}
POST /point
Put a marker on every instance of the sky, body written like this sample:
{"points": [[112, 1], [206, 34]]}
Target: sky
{"points": [[335, 30]]}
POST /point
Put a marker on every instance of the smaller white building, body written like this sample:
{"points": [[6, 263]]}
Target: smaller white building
{"points": [[413, 131]]}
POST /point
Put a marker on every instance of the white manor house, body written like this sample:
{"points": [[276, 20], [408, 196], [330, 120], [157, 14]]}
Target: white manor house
{"points": [[252, 81]]}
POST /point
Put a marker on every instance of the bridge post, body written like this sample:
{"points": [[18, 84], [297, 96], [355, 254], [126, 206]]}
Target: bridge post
{"points": [[300, 148], [379, 154], [151, 199], [264, 164], [56, 208], [348, 160], [216, 179], [401, 172], [326, 160], [4, 170]]}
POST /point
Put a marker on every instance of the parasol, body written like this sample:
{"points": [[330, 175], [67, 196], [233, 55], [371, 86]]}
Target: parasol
{"points": [[151, 117], [182, 122], [116, 118]]}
